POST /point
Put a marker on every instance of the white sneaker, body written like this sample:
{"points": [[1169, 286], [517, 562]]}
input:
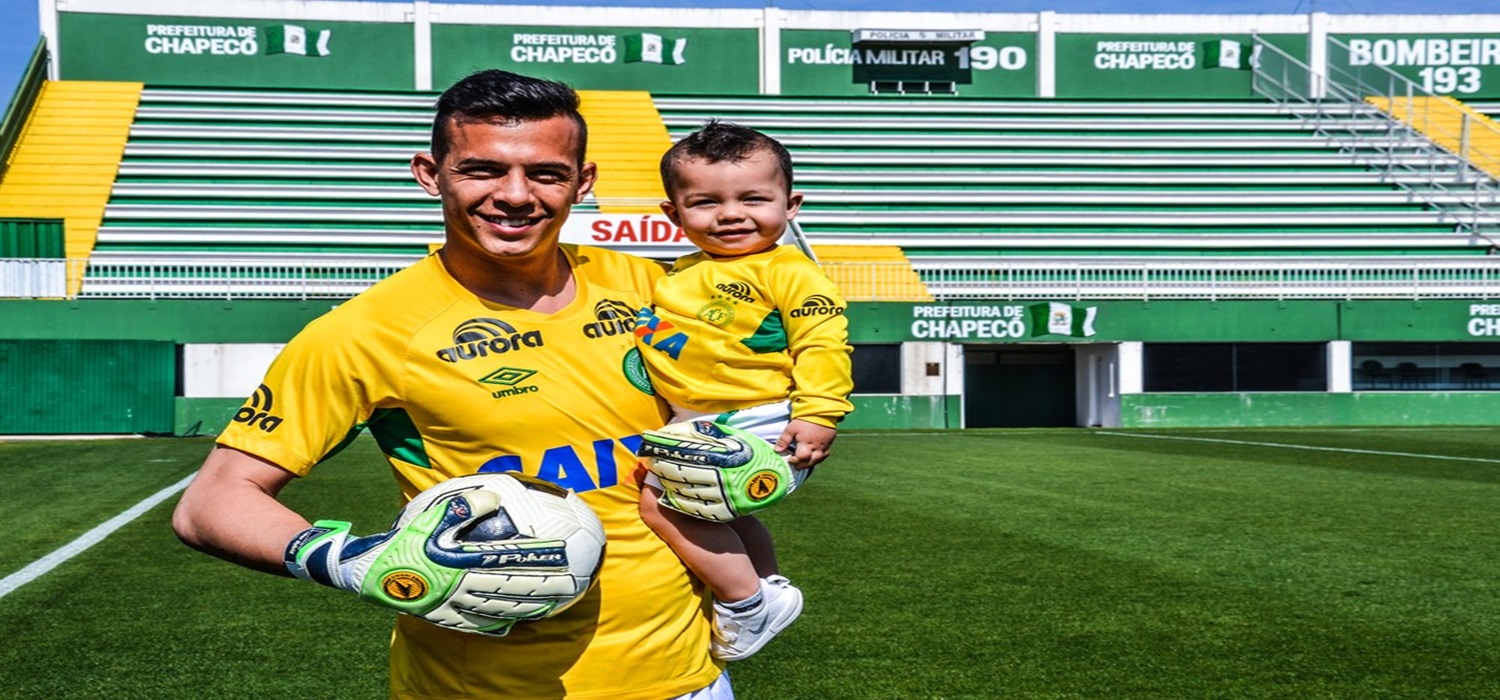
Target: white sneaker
{"points": [[737, 635]]}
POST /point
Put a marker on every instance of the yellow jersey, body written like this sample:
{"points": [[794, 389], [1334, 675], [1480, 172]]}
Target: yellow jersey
{"points": [[450, 384], [727, 334]]}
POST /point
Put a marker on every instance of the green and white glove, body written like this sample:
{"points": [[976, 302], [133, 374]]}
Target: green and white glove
{"points": [[713, 471], [421, 568]]}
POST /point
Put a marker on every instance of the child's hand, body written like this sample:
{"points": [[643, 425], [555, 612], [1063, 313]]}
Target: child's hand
{"points": [[808, 443]]}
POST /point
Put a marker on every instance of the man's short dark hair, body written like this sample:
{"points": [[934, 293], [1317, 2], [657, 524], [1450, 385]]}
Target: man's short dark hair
{"points": [[505, 97], [720, 141]]}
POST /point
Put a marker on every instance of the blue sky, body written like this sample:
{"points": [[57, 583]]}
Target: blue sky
{"points": [[19, 32]]}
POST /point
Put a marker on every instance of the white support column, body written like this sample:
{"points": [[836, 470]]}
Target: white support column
{"points": [[1046, 54], [1317, 52], [47, 21], [1132, 367], [770, 50], [421, 18], [953, 381], [1340, 367]]}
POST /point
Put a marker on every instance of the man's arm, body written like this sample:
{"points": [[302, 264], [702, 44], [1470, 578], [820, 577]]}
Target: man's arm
{"points": [[230, 511]]}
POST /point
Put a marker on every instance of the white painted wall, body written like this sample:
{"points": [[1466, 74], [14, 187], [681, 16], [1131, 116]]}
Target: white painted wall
{"points": [[226, 370]]}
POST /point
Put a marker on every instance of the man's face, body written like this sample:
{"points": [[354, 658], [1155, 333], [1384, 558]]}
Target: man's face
{"points": [[731, 209], [506, 188]]}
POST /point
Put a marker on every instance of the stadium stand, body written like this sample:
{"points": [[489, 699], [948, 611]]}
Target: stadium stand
{"points": [[249, 175], [1007, 178]]}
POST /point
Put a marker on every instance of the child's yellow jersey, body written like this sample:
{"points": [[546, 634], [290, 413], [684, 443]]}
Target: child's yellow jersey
{"points": [[728, 334], [450, 384]]}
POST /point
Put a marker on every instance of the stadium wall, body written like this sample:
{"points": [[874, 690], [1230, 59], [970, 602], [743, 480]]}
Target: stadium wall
{"points": [[224, 347], [419, 45]]}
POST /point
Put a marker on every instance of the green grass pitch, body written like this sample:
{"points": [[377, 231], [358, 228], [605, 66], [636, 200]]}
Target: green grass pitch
{"points": [[976, 564]]}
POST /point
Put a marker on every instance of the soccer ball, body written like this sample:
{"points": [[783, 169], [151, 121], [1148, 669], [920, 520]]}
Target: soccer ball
{"points": [[531, 511]]}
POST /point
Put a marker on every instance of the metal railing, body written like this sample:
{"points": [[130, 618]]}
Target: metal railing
{"points": [[19, 109], [1407, 158], [944, 279], [197, 279]]}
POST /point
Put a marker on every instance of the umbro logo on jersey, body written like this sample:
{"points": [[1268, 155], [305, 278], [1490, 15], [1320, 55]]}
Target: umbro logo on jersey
{"points": [[482, 337], [257, 410], [738, 290], [614, 318], [509, 377], [817, 305]]}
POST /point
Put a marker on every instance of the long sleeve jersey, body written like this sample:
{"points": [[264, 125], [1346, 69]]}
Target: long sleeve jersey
{"points": [[728, 334]]}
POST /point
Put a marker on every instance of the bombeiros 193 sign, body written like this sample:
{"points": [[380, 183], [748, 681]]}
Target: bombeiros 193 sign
{"points": [[1446, 64]]}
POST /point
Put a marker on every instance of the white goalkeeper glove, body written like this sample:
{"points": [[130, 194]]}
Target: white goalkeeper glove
{"points": [[420, 568], [715, 472]]}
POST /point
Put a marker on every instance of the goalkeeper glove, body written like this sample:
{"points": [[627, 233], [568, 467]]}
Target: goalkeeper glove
{"points": [[715, 472], [420, 568]]}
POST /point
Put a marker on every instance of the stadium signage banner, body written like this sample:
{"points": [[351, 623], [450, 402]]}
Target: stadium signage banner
{"points": [[235, 52], [831, 62], [1161, 65], [924, 36], [623, 229], [1003, 321], [1484, 320], [1464, 65], [660, 59]]}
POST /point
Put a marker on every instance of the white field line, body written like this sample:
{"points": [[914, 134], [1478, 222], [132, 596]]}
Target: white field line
{"points": [[1301, 447], [87, 539]]}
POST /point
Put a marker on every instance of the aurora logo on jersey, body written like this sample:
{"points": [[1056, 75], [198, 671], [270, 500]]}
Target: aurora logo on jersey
{"points": [[482, 337], [817, 305], [738, 290], [614, 318], [509, 377], [652, 331], [581, 468], [257, 410]]}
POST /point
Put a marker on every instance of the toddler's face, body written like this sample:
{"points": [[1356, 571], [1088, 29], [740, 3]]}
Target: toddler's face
{"points": [[731, 209]]}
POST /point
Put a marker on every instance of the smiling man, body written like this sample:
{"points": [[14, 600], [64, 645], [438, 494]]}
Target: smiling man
{"points": [[480, 358]]}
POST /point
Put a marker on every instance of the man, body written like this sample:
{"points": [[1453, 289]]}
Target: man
{"points": [[504, 351]]}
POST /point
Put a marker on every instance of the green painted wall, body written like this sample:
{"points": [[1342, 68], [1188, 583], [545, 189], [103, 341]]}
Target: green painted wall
{"points": [[1310, 409], [909, 412], [1180, 321], [203, 416], [59, 387], [229, 52], [178, 320]]}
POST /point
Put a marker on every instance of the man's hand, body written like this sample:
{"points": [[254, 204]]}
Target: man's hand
{"points": [[419, 568], [805, 444]]}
